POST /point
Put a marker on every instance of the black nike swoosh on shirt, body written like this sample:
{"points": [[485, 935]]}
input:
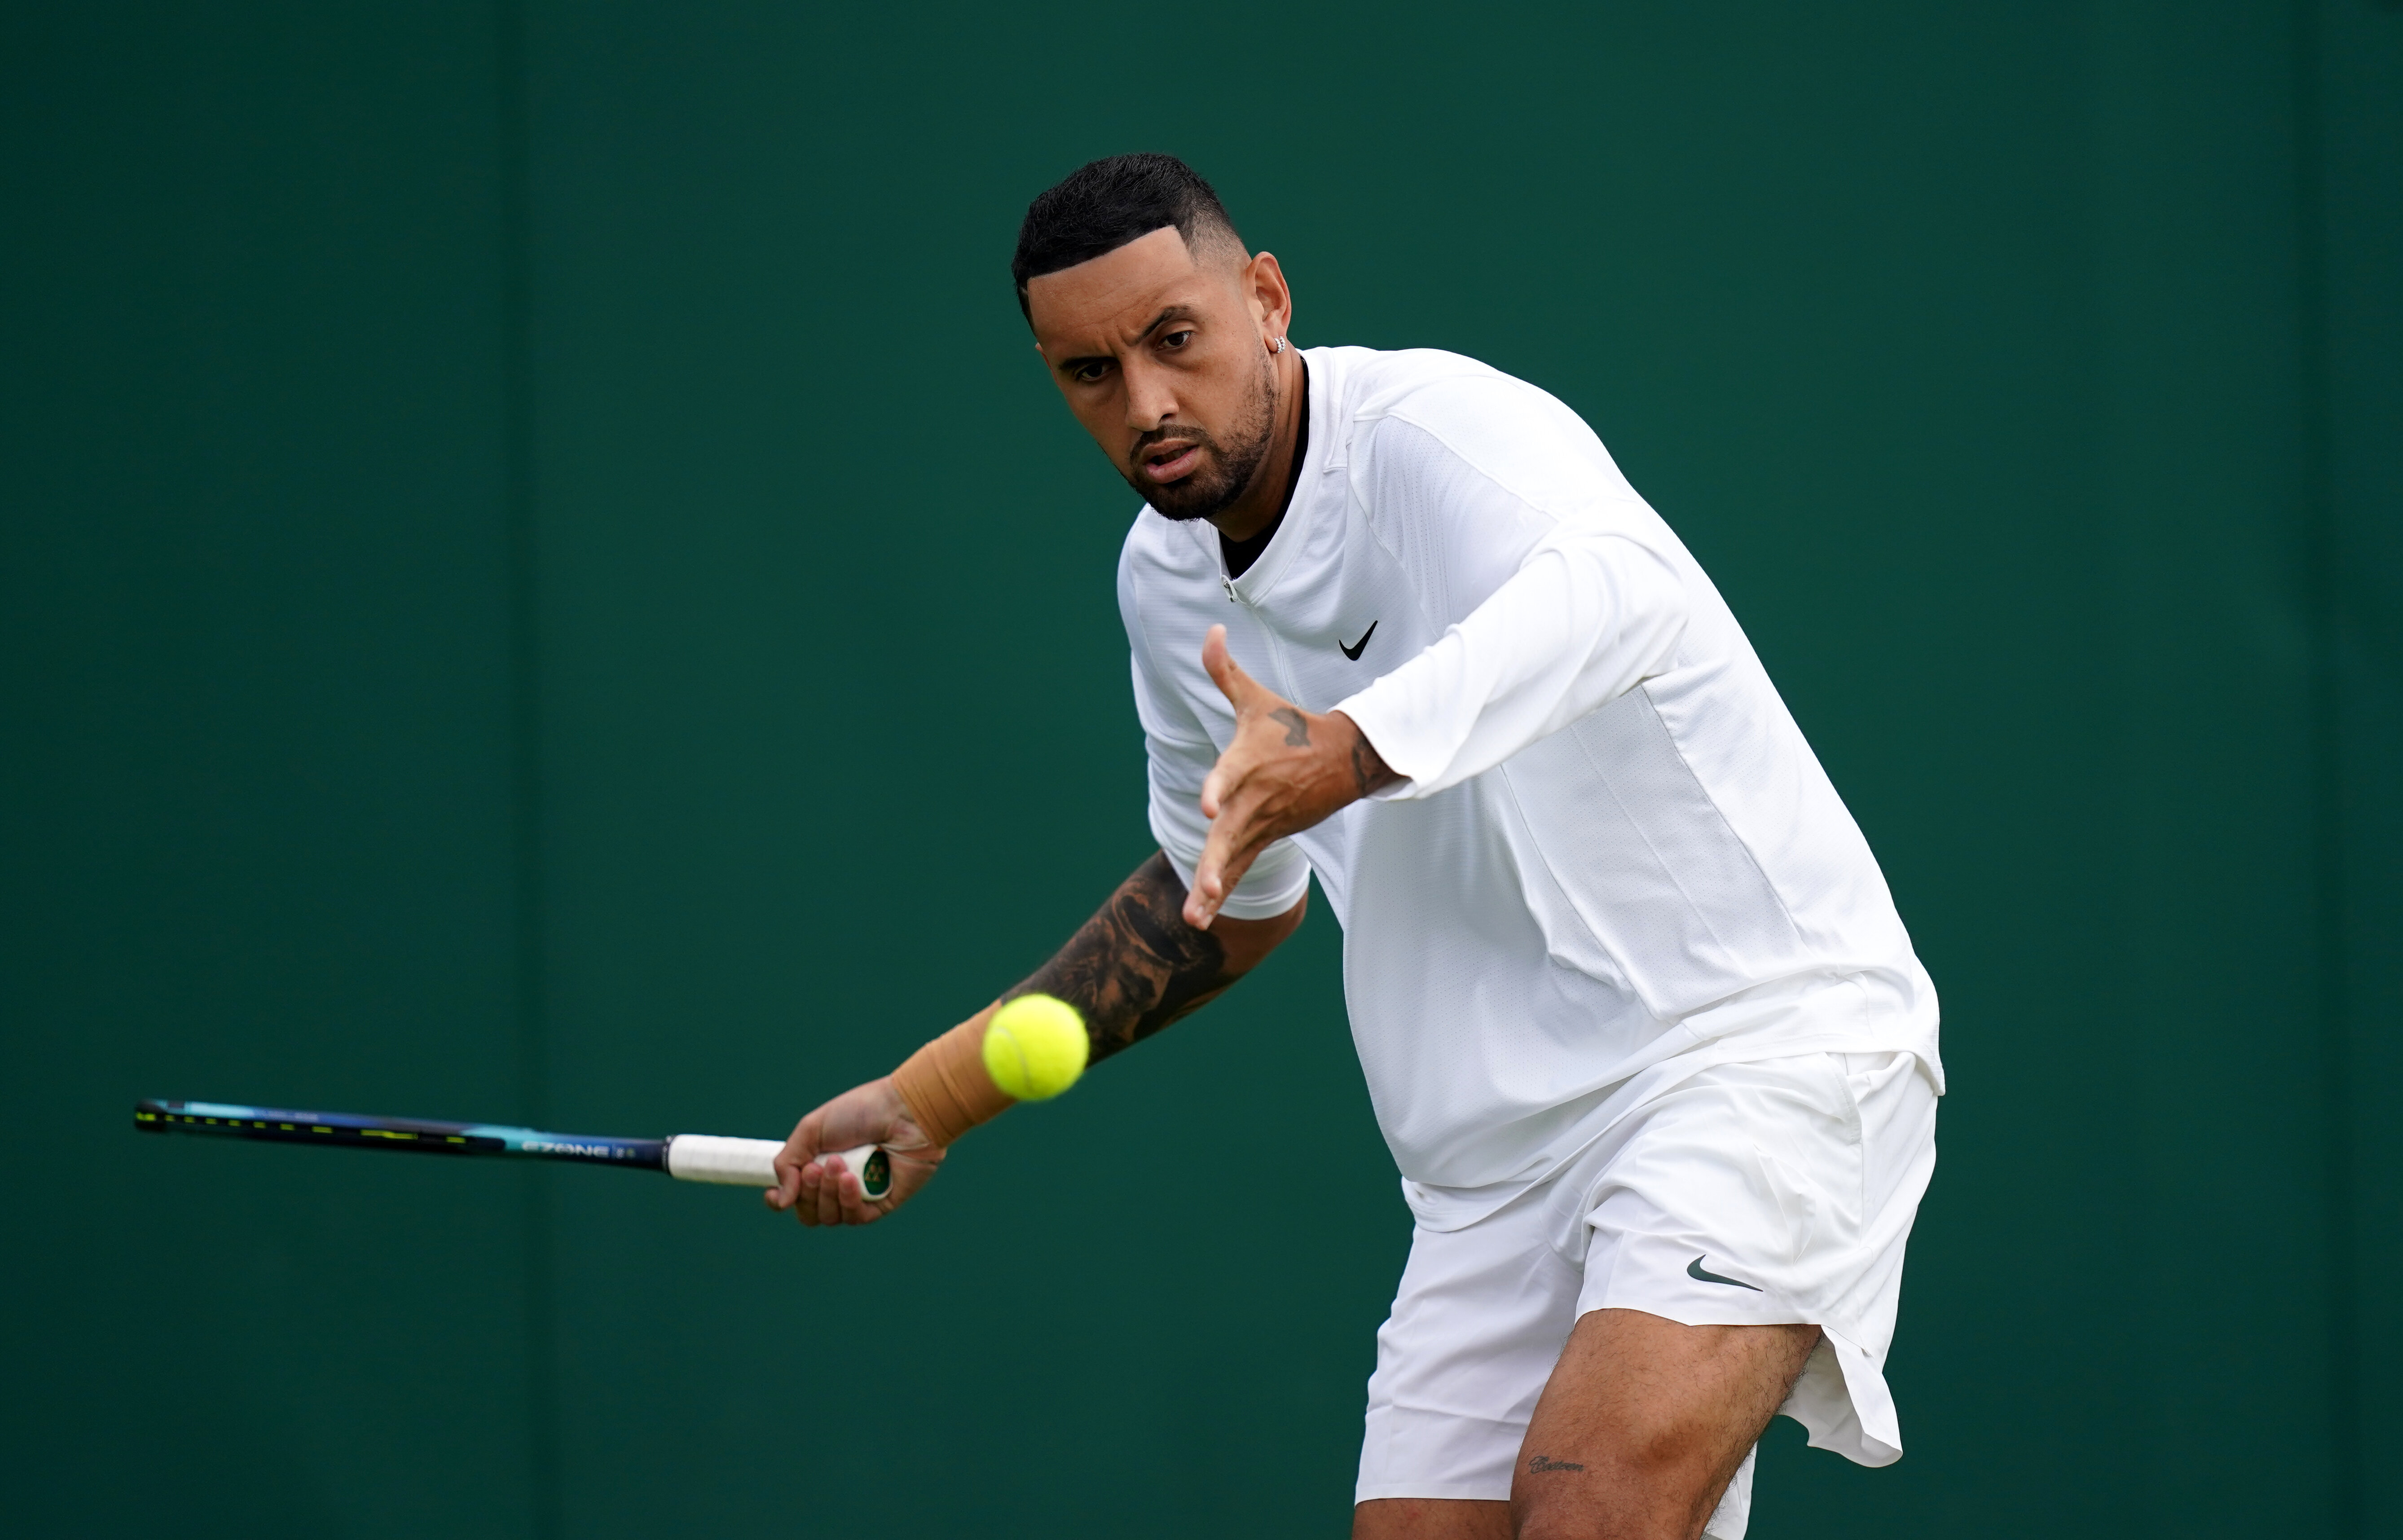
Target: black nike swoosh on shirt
{"points": [[1357, 648], [1694, 1270]]}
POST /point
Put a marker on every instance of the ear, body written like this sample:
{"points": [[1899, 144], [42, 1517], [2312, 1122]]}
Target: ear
{"points": [[1272, 298]]}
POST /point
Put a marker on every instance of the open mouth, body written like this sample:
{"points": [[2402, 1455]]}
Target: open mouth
{"points": [[1170, 462]]}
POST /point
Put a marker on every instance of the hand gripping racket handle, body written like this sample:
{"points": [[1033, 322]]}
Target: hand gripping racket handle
{"points": [[751, 1162]]}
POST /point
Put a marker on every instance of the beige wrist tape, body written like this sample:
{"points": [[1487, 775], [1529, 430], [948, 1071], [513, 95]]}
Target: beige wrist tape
{"points": [[945, 1084]]}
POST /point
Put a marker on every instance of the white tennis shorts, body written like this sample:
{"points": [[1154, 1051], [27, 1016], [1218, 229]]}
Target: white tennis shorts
{"points": [[1753, 1194]]}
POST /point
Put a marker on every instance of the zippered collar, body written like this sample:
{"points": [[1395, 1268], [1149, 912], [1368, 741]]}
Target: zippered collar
{"points": [[1292, 531]]}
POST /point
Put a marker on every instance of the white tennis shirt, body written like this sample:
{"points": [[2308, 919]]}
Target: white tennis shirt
{"points": [[1615, 861]]}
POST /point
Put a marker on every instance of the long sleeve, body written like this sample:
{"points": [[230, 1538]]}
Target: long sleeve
{"points": [[1588, 615]]}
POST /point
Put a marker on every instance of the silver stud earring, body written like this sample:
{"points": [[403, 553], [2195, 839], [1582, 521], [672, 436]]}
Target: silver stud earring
{"points": [[1277, 346]]}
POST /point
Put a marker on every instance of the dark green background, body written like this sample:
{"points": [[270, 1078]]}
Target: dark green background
{"points": [[542, 581]]}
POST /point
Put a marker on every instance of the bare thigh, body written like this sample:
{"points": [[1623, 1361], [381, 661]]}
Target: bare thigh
{"points": [[1644, 1421], [1641, 1427], [1430, 1519]]}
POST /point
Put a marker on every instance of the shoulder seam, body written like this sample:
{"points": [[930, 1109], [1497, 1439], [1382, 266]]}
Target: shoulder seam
{"points": [[1462, 455]]}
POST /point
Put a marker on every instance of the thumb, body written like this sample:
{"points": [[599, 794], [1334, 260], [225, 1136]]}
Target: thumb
{"points": [[1233, 683]]}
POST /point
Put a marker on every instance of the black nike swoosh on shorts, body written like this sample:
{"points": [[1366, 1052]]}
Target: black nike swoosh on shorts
{"points": [[1694, 1270], [1357, 648]]}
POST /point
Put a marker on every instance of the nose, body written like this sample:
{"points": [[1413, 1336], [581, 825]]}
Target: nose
{"points": [[1151, 400]]}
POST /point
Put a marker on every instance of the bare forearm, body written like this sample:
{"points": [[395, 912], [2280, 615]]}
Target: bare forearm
{"points": [[1130, 970], [1136, 966]]}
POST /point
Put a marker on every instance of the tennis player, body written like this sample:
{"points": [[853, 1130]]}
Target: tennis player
{"points": [[1641, 1025]]}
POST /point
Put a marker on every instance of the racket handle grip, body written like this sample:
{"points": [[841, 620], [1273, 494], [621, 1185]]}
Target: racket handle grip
{"points": [[751, 1162], [874, 1169]]}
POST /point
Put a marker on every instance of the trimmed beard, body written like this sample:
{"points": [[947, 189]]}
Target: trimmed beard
{"points": [[1227, 467]]}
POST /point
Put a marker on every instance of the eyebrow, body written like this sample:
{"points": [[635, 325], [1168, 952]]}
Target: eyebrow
{"points": [[1173, 313]]}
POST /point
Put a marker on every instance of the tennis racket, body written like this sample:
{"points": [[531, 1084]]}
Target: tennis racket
{"points": [[685, 1157]]}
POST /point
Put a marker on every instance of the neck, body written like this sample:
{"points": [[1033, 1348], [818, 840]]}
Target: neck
{"points": [[1263, 502]]}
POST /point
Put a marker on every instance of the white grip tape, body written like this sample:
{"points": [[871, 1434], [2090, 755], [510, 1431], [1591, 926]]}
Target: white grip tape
{"points": [[714, 1157], [742, 1162]]}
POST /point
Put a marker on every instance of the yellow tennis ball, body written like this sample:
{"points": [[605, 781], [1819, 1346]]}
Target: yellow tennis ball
{"points": [[1035, 1048]]}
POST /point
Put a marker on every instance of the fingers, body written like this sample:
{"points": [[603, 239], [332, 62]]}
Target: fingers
{"points": [[831, 1175], [1209, 885], [809, 1180], [838, 1195], [1233, 683], [1202, 903], [1235, 840], [817, 1185], [817, 1195], [1222, 865], [799, 1152], [1220, 869], [1244, 693], [1200, 909]]}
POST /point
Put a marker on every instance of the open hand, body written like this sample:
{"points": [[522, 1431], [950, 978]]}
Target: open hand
{"points": [[826, 1192], [1285, 769]]}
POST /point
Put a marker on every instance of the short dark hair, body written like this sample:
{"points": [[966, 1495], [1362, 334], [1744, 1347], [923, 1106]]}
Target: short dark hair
{"points": [[1103, 204]]}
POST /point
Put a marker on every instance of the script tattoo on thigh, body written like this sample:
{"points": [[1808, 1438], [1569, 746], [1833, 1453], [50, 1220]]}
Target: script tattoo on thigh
{"points": [[1135, 965], [1541, 1462]]}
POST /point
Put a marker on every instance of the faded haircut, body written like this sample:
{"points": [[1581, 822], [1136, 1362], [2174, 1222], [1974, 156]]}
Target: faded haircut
{"points": [[1103, 204]]}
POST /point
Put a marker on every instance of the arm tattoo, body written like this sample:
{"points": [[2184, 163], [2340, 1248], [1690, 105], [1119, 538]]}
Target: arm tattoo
{"points": [[1368, 767], [1297, 726], [1135, 965]]}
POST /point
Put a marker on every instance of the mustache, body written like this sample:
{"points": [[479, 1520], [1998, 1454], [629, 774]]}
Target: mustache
{"points": [[1172, 433]]}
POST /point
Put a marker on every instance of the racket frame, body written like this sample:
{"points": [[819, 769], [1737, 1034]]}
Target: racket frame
{"points": [[425, 1136]]}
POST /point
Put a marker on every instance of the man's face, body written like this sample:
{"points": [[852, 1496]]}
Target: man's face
{"points": [[1161, 359]]}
